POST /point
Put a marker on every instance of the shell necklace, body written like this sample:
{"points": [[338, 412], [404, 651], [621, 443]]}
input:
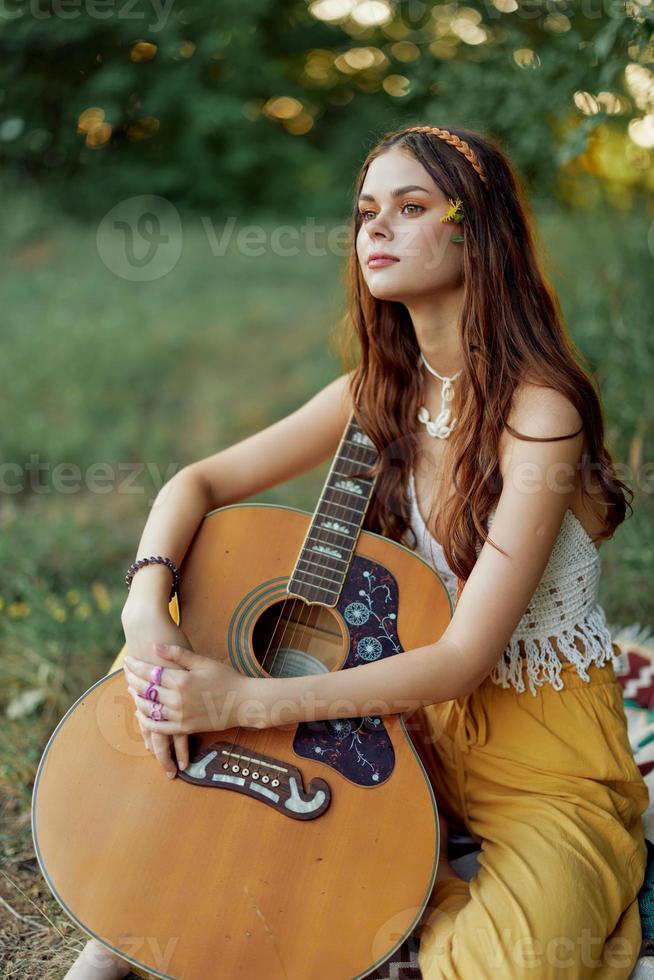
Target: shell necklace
{"points": [[440, 427]]}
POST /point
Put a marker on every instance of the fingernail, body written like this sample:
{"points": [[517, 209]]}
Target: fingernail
{"points": [[171, 775]]}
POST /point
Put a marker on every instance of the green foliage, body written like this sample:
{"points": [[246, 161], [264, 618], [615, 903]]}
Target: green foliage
{"points": [[183, 90]]}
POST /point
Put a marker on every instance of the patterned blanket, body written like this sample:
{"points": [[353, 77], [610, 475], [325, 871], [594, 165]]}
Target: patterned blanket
{"points": [[634, 669]]}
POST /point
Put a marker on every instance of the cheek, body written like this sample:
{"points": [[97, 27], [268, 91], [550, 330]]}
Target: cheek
{"points": [[430, 249]]}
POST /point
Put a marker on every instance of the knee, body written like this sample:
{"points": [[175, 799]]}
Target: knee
{"points": [[448, 953], [549, 940], [585, 954]]}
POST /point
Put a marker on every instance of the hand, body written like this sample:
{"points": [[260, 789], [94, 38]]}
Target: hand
{"points": [[142, 626], [206, 695]]}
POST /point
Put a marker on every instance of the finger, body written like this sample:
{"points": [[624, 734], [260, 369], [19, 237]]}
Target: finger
{"points": [[181, 751], [145, 671], [162, 727], [161, 749], [178, 654], [140, 687], [154, 725], [147, 735]]}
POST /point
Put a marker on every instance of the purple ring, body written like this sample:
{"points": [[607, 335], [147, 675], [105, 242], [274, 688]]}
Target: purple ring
{"points": [[151, 692], [155, 674], [156, 712]]}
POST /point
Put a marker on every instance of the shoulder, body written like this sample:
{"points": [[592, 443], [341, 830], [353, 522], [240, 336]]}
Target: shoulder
{"points": [[538, 485], [541, 411], [552, 423]]}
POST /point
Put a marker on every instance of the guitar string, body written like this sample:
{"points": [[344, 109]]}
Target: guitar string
{"points": [[352, 460], [291, 607], [301, 631], [297, 601]]}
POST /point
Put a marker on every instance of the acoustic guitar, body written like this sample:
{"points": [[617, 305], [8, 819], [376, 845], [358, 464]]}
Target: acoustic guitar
{"points": [[290, 853]]}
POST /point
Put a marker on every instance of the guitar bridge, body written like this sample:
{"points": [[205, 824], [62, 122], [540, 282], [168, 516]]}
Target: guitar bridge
{"points": [[223, 765]]}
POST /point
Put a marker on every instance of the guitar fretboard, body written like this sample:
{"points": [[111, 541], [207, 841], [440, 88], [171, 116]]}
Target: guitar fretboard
{"points": [[330, 542]]}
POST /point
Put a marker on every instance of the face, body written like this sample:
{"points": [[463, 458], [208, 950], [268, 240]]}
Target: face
{"points": [[408, 227]]}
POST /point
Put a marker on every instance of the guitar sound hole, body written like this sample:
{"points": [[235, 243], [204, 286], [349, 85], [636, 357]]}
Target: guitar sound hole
{"points": [[292, 638]]}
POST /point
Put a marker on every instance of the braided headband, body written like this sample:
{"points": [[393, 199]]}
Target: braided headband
{"points": [[454, 141]]}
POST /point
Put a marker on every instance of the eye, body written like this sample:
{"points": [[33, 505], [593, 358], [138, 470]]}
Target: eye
{"points": [[408, 204]]}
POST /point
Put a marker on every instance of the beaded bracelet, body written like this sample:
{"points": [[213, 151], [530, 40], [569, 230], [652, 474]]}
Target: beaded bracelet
{"points": [[154, 560]]}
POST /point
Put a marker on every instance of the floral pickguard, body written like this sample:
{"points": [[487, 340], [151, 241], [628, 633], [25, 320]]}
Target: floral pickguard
{"points": [[359, 748]]}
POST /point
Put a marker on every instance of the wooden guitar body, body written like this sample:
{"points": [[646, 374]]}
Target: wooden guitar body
{"points": [[319, 865]]}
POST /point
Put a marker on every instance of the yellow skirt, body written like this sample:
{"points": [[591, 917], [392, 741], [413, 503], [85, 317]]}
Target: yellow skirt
{"points": [[549, 787]]}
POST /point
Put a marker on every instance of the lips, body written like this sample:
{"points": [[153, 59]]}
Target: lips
{"points": [[379, 259]]}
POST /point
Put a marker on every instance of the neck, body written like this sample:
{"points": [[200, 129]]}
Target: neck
{"points": [[436, 324]]}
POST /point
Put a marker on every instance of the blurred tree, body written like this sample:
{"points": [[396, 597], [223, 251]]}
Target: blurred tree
{"points": [[269, 105]]}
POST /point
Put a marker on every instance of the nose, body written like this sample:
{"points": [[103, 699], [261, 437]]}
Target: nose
{"points": [[378, 228]]}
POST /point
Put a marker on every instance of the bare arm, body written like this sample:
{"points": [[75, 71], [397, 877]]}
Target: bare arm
{"points": [[174, 518], [283, 450], [538, 486]]}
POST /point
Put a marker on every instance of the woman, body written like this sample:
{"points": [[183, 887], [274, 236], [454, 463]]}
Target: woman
{"points": [[469, 383]]}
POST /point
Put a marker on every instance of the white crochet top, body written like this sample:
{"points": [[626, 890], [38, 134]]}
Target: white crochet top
{"points": [[563, 606]]}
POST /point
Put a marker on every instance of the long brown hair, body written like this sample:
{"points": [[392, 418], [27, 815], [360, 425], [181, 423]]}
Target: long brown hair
{"points": [[511, 330]]}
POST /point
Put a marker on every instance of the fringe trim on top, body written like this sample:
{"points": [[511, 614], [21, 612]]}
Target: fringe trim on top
{"points": [[541, 655]]}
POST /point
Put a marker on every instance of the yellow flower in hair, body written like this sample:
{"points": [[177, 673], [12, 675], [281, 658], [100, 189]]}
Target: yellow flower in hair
{"points": [[455, 211]]}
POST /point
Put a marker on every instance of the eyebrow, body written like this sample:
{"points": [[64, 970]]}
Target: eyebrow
{"points": [[396, 193]]}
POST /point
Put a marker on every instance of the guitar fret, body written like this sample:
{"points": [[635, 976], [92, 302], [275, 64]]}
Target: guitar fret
{"points": [[324, 558], [352, 461], [326, 554], [344, 473], [299, 571], [358, 445], [307, 561], [343, 527], [364, 480], [332, 590], [342, 520], [318, 554], [331, 530], [335, 503]]}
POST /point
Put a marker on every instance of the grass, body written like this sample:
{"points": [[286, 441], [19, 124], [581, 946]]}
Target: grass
{"points": [[135, 380]]}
